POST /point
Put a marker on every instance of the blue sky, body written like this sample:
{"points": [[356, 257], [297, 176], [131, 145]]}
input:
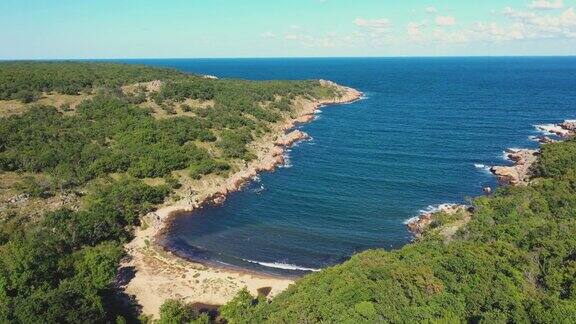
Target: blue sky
{"points": [[31, 29]]}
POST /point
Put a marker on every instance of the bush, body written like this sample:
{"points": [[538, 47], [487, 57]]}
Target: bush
{"points": [[204, 167], [176, 312]]}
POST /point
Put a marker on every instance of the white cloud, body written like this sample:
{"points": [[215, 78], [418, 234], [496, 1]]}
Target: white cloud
{"points": [[521, 25], [493, 32], [268, 34], [547, 4], [291, 37], [414, 31], [372, 23], [441, 35], [512, 13], [445, 21], [431, 10], [544, 25]]}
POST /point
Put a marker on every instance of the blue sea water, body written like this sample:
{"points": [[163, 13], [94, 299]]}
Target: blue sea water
{"points": [[422, 136]]}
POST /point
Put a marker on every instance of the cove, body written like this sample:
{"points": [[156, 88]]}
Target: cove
{"points": [[424, 135]]}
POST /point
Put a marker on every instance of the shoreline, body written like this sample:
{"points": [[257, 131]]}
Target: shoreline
{"points": [[157, 274], [519, 173]]}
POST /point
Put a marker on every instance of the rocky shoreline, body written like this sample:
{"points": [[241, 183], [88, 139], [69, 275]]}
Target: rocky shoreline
{"points": [[517, 174], [418, 225], [159, 274]]}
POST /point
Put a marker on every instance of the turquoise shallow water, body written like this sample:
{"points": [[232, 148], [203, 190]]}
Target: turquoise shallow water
{"points": [[422, 136]]}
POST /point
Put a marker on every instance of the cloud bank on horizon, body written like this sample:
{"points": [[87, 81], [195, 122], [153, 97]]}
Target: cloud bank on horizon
{"points": [[260, 28]]}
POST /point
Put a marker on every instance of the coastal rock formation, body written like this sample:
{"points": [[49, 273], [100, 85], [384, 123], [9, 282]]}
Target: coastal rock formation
{"points": [[418, 225], [524, 159], [544, 139], [520, 172], [517, 174], [291, 138], [562, 130], [569, 125], [305, 119]]}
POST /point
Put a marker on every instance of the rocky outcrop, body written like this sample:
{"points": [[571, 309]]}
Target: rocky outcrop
{"points": [[517, 174], [291, 138], [524, 159], [418, 225], [18, 199], [305, 119], [569, 125], [520, 172], [544, 139], [562, 130]]}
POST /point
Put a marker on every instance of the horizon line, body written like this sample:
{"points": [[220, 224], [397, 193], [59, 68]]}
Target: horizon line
{"points": [[285, 57]]}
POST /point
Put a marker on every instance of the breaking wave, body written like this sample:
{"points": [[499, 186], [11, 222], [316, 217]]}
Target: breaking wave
{"points": [[280, 265]]}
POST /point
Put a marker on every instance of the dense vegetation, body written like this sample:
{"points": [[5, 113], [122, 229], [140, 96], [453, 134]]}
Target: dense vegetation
{"points": [[110, 133], [515, 262], [59, 268], [26, 81]]}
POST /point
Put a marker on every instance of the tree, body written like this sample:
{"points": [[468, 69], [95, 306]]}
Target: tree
{"points": [[176, 312]]}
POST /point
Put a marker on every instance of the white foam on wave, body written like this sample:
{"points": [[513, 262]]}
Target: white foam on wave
{"points": [[287, 160], [410, 220], [483, 167], [259, 189], [429, 210], [505, 153], [545, 129], [436, 208], [280, 265]]}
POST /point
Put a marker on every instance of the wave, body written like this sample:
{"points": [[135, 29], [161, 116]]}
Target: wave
{"points": [[280, 265], [428, 210], [436, 208], [259, 189], [507, 151], [287, 161], [544, 129], [483, 167], [411, 219]]}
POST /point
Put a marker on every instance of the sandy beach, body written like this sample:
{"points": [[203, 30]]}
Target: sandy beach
{"points": [[157, 274]]}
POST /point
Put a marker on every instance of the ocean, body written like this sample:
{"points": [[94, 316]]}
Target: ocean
{"points": [[424, 134]]}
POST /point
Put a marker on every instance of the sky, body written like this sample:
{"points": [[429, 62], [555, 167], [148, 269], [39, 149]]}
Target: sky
{"points": [[68, 29]]}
